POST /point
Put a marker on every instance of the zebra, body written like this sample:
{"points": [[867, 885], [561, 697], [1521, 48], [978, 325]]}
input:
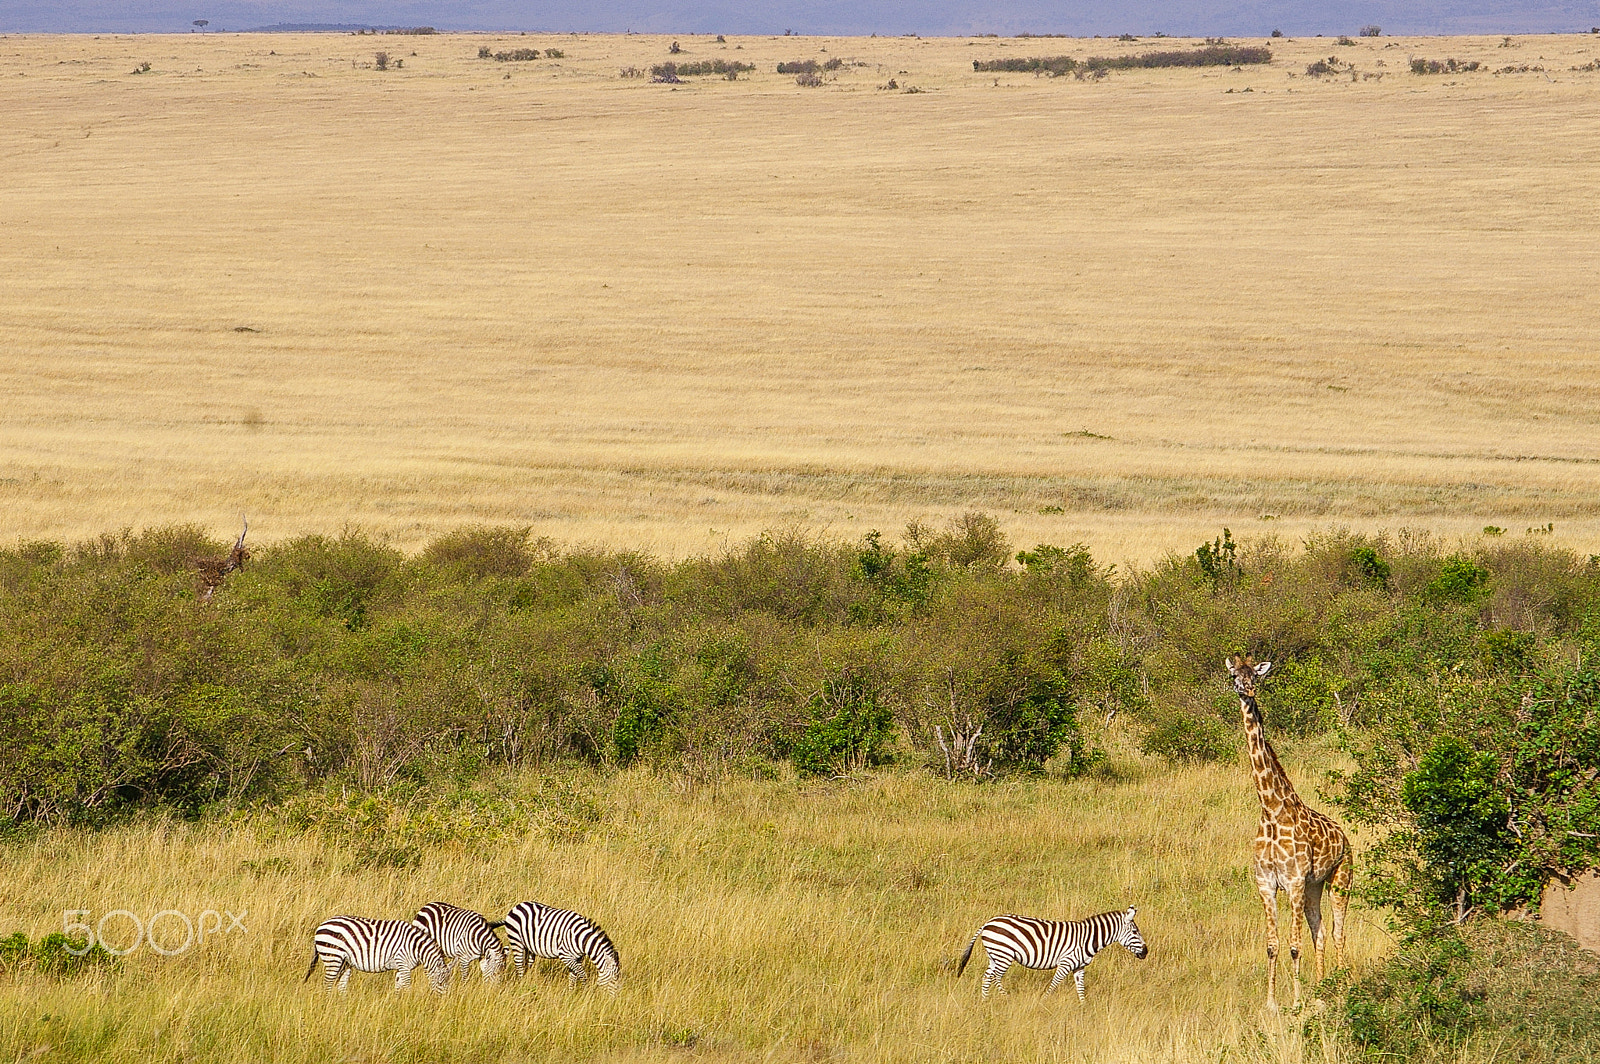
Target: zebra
{"points": [[463, 936], [1065, 945], [538, 930], [343, 943]]}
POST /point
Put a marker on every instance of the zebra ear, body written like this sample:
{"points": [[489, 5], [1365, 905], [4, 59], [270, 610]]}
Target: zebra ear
{"points": [[1131, 911]]}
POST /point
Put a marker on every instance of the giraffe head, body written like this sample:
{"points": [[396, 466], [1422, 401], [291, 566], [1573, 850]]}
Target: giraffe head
{"points": [[1245, 673]]}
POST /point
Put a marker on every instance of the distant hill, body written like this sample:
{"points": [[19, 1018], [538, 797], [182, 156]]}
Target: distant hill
{"points": [[319, 27], [1081, 18]]}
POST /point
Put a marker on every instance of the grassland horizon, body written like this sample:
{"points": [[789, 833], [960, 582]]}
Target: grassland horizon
{"points": [[256, 273]]}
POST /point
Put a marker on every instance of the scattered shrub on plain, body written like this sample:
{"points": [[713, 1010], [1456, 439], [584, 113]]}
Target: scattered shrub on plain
{"points": [[1448, 66], [701, 69], [1210, 55], [1054, 66]]}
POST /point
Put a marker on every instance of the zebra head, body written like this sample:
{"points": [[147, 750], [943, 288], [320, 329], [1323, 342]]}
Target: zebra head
{"points": [[437, 965], [1128, 935]]}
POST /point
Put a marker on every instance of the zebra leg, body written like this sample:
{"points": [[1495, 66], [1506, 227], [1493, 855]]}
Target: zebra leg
{"points": [[520, 959], [344, 979], [992, 977], [331, 967], [1061, 973], [402, 978], [1077, 977]]}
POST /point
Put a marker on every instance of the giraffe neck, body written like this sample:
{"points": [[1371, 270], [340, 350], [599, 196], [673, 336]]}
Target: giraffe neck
{"points": [[1272, 782]]}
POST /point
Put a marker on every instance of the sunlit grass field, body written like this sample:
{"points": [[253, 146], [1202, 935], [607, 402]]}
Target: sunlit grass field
{"points": [[263, 275], [757, 918]]}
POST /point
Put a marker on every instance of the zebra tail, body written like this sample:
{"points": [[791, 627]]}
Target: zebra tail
{"points": [[967, 956], [313, 967]]}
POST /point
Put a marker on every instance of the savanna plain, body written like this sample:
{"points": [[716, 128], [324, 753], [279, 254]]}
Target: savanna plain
{"points": [[264, 275], [258, 272]]}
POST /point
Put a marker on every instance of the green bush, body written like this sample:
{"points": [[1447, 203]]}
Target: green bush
{"points": [[479, 551], [55, 955], [849, 729], [1460, 580], [1181, 738], [1533, 994]]}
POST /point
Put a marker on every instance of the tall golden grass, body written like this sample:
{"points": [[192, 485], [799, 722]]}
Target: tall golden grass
{"points": [[758, 919], [262, 275]]}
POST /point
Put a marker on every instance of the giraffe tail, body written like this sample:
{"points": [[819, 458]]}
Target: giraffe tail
{"points": [[967, 956]]}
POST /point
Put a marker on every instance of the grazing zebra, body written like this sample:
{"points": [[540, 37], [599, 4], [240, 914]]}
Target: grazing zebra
{"points": [[538, 930], [1065, 945], [343, 943], [464, 936]]}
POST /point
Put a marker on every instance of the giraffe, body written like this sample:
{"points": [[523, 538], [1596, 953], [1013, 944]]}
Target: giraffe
{"points": [[1297, 849], [213, 571]]}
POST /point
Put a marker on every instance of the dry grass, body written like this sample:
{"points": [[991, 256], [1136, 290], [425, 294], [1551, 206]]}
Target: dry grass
{"points": [[663, 316], [757, 920]]}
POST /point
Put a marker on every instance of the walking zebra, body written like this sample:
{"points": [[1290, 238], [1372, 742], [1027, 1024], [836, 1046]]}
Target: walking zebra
{"points": [[463, 936], [1065, 945], [343, 943], [535, 930]]}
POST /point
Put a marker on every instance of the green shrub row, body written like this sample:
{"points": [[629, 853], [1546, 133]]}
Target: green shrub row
{"points": [[342, 662]]}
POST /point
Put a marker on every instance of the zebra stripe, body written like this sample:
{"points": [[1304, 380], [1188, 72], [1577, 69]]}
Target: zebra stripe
{"points": [[464, 937], [1065, 945], [535, 930], [346, 943]]}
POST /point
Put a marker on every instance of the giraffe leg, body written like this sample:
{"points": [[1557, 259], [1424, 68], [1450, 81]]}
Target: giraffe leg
{"points": [[1269, 902], [1297, 903], [1341, 881], [1314, 922]]}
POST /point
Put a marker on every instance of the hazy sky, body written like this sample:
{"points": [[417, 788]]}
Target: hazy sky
{"points": [[928, 17]]}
